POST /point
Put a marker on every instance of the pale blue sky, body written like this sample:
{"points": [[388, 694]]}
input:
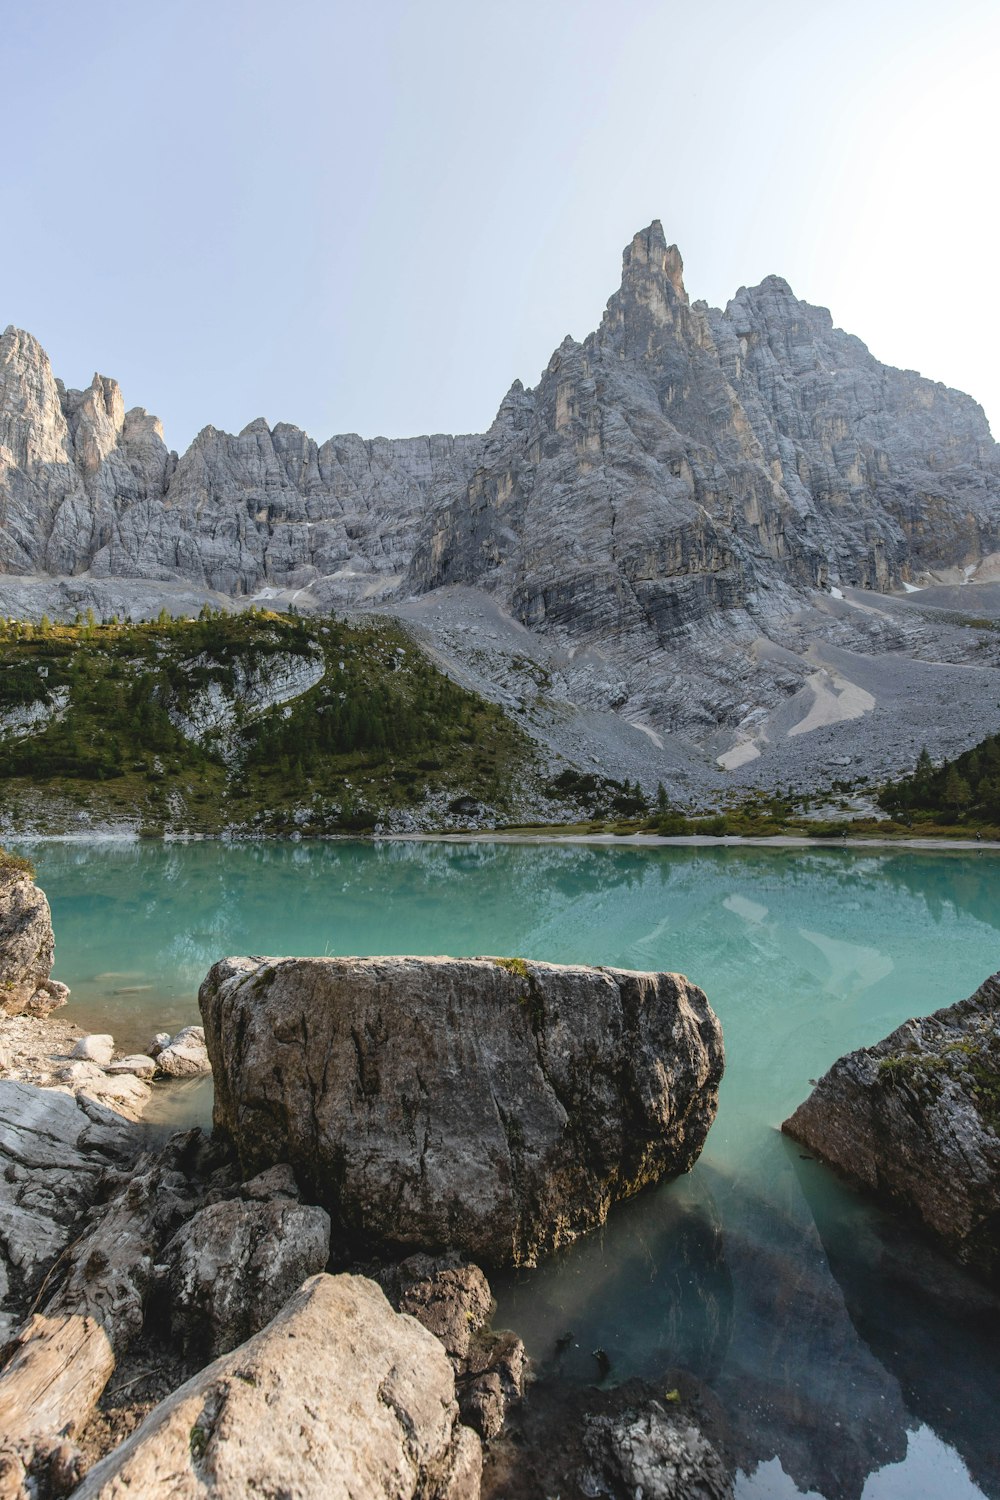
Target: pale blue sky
{"points": [[374, 218]]}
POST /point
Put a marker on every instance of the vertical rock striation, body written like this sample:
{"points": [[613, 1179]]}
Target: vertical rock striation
{"points": [[496, 1106]]}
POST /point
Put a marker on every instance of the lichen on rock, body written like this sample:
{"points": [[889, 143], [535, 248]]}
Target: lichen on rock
{"points": [[916, 1118]]}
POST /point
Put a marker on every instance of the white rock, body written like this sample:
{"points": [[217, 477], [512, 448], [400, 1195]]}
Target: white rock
{"points": [[338, 1398], [97, 1048], [186, 1054], [160, 1040]]}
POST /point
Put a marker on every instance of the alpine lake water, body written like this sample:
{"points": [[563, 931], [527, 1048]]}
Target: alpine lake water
{"points": [[846, 1357]]}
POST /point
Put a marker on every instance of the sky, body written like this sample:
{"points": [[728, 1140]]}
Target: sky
{"points": [[374, 218]]}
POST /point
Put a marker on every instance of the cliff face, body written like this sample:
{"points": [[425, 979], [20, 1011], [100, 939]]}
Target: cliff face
{"points": [[682, 461], [86, 485], [658, 511], [679, 461]]}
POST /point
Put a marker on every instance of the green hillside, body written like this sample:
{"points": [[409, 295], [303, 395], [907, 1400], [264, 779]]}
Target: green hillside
{"points": [[963, 791], [169, 724]]}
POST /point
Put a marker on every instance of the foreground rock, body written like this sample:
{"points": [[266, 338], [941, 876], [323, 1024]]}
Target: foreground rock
{"points": [[337, 1397], [496, 1106], [454, 1302], [56, 1153], [917, 1118], [235, 1264], [27, 946], [184, 1056], [643, 1439]]}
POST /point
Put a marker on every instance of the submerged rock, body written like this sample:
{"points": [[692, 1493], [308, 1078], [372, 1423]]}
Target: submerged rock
{"points": [[27, 947], [492, 1105], [339, 1396], [649, 1453], [916, 1118]]}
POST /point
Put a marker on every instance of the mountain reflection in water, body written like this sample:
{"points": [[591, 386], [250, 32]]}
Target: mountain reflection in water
{"points": [[847, 1358]]}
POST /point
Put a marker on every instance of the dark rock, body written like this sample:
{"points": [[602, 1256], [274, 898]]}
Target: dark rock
{"points": [[916, 1119], [453, 1301], [497, 1106], [234, 1265], [654, 1454]]}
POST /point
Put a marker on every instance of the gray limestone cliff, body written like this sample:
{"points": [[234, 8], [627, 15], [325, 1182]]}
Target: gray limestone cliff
{"points": [[680, 460], [658, 510]]}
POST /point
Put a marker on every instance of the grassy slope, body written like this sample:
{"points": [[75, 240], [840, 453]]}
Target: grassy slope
{"points": [[382, 730]]}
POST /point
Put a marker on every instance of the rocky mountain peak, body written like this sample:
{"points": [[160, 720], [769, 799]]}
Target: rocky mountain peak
{"points": [[32, 426], [649, 254]]}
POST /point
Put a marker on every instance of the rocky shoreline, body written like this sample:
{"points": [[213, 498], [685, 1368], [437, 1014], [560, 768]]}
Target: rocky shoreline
{"points": [[385, 1129], [150, 1292]]}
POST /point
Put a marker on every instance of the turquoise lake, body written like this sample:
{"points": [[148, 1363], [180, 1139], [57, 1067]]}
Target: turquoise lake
{"points": [[848, 1358]]}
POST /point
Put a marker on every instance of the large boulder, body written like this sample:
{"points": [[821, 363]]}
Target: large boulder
{"points": [[492, 1105], [27, 946], [337, 1397], [916, 1118]]}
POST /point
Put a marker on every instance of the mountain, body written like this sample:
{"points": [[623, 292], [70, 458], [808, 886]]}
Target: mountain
{"points": [[669, 526]]}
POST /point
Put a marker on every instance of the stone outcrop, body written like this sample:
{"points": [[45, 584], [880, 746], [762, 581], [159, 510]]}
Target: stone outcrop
{"points": [[495, 1106], [56, 1153], [27, 947], [234, 1264], [916, 1118], [454, 1302], [338, 1396]]}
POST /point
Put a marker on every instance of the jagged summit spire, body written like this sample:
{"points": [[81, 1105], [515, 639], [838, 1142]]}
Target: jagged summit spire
{"points": [[649, 251]]}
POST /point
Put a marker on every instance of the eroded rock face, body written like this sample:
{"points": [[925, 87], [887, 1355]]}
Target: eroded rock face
{"points": [[55, 1155], [678, 462], [27, 948], [495, 1106], [338, 1397], [235, 1264], [917, 1118]]}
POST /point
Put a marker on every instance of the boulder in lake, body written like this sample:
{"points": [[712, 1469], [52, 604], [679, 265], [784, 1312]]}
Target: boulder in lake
{"points": [[916, 1118], [27, 946], [337, 1397], [495, 1106], [185, 1055]]}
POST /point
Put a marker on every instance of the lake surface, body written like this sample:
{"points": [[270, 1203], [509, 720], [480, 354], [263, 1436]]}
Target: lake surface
{"points": [[846, 1357]]}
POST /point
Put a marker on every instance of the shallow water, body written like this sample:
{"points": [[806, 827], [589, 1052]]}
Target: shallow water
{"points": [[848, 1358]]}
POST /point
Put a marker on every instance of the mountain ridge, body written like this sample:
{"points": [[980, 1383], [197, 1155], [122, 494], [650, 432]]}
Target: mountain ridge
{"points": [[669, 510]]}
